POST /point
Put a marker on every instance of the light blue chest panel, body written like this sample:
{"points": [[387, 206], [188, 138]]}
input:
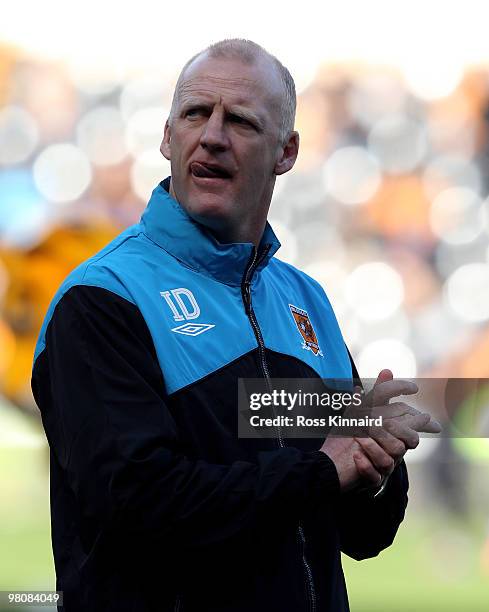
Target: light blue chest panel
{"points": [[279, 292]]}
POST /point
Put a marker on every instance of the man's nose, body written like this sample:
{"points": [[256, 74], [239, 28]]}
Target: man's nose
{"points": [[214, 135]]}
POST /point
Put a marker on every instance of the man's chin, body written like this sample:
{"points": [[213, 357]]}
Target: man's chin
{"points": [[211, 198], [210, 203], [209, 210]]}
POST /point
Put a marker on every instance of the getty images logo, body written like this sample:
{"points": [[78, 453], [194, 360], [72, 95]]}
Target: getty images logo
{"points": [[184, 306]]}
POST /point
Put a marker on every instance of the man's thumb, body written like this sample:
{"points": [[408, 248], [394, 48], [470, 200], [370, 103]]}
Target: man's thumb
{"points": [[384, 375]]}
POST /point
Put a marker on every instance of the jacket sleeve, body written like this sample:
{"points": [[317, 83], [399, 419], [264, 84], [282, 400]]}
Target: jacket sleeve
{"points": [[101, 394], [369, 524]]}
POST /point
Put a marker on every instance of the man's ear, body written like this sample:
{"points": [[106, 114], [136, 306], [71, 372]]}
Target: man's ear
{"points": [[165, 146], [289, 154]]}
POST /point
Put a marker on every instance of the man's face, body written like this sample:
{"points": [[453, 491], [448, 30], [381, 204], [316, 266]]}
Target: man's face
{"points": [[223, 144]]}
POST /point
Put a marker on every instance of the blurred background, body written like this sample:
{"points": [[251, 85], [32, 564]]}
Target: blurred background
{"points": [[387, 207]]}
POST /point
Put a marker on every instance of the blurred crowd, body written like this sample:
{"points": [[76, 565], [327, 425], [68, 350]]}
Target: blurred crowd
{"points": [[387, 206]]}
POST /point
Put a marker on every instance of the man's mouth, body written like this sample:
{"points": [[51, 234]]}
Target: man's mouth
{"points": [[205, 170]]}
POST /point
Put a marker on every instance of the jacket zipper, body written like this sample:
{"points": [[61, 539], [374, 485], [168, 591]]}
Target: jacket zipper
{"points": [[246, 295], [307, 567]]}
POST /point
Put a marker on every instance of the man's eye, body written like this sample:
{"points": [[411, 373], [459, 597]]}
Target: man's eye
{"points": [[240, 120], [194, 112]]}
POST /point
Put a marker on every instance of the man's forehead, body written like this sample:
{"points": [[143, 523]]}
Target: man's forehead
{"points": [[211, 84], [231, 76]]}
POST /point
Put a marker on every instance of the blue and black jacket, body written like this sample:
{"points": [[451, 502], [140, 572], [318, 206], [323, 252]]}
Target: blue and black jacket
{"points": [[156, 503]]}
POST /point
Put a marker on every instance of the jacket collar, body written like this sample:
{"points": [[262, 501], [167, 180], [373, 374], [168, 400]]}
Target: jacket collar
{"points": [[167, 224]]}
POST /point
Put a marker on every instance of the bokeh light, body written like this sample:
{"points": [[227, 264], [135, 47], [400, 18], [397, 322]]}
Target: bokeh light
{"points": [[467, 292], [352, 175], [19, 135], [433, 79], [396, 326], [62, 172], [447, 171], [101, 135], [387, 353], [374, 291], [398, 142], [144, 130], [143, 92], [457, 215]]}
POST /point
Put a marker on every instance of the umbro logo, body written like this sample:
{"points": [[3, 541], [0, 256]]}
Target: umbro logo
{"points": [[192, 329]]}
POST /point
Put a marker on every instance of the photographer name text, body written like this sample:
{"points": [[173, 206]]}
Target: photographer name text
{"points": [[303, 421]]}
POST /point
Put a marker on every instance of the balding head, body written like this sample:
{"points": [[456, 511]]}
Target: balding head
{"points": [[250, 53]]}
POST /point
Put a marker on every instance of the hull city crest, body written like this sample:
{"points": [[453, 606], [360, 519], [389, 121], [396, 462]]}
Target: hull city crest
{"points": [[306, 330]]}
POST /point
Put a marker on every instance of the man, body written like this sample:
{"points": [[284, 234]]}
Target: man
{"points": [[156, 503]]}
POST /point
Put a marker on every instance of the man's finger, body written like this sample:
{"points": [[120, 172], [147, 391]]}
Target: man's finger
{"points": [[396, 409], [384, 376], [380, 459], [429, 426], [366, 470], [402, 432], [392, 445], [420, 421], [383, 392]]}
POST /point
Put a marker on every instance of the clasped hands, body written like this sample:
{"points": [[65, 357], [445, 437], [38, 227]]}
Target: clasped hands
{"points": [[369, 460]]}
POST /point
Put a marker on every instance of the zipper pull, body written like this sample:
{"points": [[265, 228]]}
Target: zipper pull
{"points": [[247, 297], [245, 286]]}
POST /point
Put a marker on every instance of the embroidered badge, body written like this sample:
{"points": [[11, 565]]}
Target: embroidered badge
{"points": [[306, 330]]}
